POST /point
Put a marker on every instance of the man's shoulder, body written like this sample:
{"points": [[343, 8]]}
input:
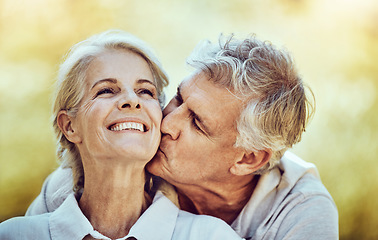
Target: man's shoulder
{"points": [[301, 176], [307, 205], [295, 166], [55, 189], [285, 198], [310, 186]]}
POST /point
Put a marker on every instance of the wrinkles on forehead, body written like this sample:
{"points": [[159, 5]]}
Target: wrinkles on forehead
{"points": [[217, 107]]}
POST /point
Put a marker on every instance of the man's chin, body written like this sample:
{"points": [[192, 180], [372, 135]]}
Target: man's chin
{"points": [[154, 166]]}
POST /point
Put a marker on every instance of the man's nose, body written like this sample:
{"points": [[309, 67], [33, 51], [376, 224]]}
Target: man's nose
{"points": [[129, 100], [172, 121]]}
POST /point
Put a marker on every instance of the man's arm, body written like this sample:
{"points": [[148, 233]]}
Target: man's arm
{"points": [[55, 189]]}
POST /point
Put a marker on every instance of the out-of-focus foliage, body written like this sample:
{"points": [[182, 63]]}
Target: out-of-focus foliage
{"points": [[334, 43]]}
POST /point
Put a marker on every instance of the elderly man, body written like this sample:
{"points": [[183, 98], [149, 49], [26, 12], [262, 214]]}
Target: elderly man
{"points": [[225, 135], [224, 146]]}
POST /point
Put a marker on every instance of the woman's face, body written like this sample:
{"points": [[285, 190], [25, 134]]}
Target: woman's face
{"points": [[119, 116]]}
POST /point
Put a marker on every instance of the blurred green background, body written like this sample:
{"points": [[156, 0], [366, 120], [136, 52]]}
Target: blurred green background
{"points": [[334, 43]]}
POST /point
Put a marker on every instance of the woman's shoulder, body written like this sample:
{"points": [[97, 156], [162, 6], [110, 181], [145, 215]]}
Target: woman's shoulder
{"points": [[25, 227], [204, 227]]}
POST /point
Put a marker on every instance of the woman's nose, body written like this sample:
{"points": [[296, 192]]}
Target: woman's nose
{"points": [[129, 101]]}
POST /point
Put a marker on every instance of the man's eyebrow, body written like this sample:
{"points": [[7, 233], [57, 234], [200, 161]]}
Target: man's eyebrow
{"points": [[178, 94], [111, 80], [193, 114]]}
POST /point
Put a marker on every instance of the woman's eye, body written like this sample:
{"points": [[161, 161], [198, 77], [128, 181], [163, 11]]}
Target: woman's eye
{"points": [[147, 91], [105, 91]]}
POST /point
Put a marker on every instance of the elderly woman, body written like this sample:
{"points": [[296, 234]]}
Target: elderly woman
{"points": [[107, 116]]}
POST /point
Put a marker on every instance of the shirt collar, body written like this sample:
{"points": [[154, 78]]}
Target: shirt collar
{"points": [[157, 222], [68, 222], [271, 188], [258, 205]]}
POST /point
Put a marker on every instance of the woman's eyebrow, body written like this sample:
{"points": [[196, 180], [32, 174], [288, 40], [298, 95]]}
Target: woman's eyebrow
{"points": [[114, 81], [140, 81], [111, 80]]}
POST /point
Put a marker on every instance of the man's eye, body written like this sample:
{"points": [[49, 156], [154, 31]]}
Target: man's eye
{"points": [[195, 125], [104, 91], [194, 122]]}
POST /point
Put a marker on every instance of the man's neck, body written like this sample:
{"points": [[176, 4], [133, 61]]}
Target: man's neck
{"points": [[225, 202]]}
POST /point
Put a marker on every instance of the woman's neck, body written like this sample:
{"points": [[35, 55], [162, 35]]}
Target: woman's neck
{"points": [[113, 198]]}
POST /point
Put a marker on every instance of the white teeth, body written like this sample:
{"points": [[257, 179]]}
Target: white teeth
{"points": [[127, 126]]}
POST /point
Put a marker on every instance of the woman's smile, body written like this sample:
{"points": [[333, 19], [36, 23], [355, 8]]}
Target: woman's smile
{"points": [[129, 124]]}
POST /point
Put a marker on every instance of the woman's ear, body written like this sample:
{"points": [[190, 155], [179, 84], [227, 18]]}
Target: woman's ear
{"points": [[64, 122], [251, 162]]}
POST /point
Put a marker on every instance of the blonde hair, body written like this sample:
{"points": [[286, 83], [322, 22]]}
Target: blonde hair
{"points": [[71, 81], [276, 109]]}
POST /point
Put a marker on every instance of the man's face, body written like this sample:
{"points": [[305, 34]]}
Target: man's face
{"points": [[199, 131]]}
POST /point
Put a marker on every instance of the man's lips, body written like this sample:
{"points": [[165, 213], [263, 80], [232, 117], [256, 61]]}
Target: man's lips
{"points": [[159, 150]]}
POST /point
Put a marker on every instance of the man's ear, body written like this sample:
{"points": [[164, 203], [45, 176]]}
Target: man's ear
{"points": [[64, 122], [251, 162]]}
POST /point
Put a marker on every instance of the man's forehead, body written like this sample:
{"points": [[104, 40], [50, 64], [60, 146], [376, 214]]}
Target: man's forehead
{"points": [[188, 80], [196, 87], [206, 98], [199, 82]]}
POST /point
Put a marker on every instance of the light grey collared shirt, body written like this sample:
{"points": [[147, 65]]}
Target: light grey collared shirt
{"points": [[289, 202], [162, 220]]}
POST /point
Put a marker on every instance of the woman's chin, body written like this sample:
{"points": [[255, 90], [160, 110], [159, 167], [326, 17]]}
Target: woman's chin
{"points": [[134, 155]]}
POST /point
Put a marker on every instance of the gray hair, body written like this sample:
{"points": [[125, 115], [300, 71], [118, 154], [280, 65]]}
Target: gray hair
{"points": [[71, 81], [276, 109]]}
